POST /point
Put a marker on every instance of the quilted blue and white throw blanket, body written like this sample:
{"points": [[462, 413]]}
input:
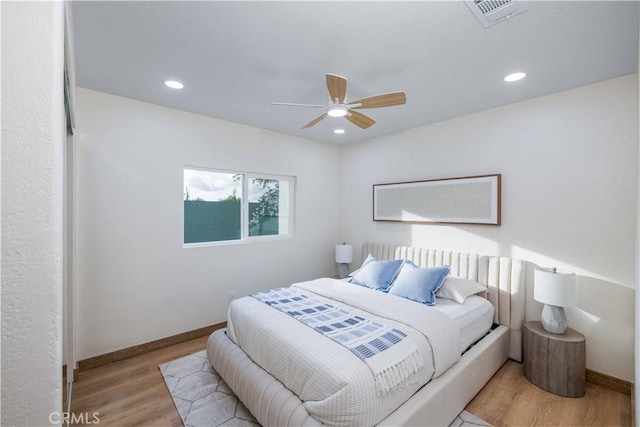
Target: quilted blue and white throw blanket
{"points": [[393, 359]]}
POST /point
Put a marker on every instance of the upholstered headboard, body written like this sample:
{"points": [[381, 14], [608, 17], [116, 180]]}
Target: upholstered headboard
{"points": [[504, 277]]}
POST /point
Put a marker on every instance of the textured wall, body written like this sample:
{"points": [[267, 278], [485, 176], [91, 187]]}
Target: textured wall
{"points": [[637, 337], [32, 146]]}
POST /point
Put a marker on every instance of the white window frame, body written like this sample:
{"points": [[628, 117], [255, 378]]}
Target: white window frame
{"points": [[244, 210]]}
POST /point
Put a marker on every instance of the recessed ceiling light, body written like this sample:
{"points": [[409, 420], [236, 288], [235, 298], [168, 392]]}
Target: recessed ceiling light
{"points": [[515, 77], [173, 84], [338, 131]]}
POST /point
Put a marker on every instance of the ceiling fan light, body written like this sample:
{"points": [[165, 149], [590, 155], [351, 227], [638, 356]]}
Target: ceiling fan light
{"points": [[337, 111], [338, 131]]}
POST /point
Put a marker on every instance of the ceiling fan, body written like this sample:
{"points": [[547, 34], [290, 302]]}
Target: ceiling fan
{"points": [[339, 107]]}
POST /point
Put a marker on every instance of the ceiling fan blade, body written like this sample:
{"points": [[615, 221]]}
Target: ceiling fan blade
{"points": [[359, 119], [386, 100], [290, 104], [314, 121], [337, 87]]}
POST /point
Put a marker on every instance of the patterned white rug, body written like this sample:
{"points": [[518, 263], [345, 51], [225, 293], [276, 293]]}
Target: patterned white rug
{"points": [[204, 399]]}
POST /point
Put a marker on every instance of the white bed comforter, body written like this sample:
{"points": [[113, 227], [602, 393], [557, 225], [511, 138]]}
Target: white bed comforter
{"points": [[337, 387]]}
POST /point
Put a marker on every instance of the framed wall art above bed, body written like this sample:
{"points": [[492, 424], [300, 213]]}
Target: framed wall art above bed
{"points": [[466, 200]]}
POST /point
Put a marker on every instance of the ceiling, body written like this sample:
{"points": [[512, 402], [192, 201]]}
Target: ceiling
{"points": [[237, 57]]}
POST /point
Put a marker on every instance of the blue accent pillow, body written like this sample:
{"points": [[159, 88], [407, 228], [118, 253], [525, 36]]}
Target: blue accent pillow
{"points": [[377, 274], [419, 284]]}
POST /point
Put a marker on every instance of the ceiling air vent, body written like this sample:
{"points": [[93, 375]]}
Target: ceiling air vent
{"points": [[490, 12]]}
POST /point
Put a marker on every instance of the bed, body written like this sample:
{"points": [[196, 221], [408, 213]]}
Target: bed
{"points": [[328, 385]]}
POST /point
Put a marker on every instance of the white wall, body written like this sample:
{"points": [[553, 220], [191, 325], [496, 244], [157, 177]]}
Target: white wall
{"points": [[570, 177], [136, 283], [32, 145]]}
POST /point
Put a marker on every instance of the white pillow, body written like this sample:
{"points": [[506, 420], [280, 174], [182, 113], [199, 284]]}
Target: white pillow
{"points": [[458, 289]]}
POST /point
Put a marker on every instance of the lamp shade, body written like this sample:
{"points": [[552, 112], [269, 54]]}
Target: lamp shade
{"points": [[554, 287], [344, 253]]}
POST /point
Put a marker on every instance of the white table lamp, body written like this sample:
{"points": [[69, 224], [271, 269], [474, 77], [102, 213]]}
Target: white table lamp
{"points": [[344, 257], [556, 290]]}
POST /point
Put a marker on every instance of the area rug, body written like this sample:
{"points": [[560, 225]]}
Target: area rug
{"points": [[203, 399]]}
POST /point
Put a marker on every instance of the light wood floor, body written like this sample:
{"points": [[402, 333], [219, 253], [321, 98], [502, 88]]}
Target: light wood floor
{"points": [[132, 392], [509, 399]]}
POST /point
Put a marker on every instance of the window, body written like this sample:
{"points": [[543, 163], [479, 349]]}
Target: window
{"points": [[221, 206]]}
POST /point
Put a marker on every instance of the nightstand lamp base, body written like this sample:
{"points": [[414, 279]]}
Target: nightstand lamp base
{"points": [[554, 319], [343, 270]]}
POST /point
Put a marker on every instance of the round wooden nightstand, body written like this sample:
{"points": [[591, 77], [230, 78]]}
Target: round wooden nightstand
{"points": [[555, 363]]}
